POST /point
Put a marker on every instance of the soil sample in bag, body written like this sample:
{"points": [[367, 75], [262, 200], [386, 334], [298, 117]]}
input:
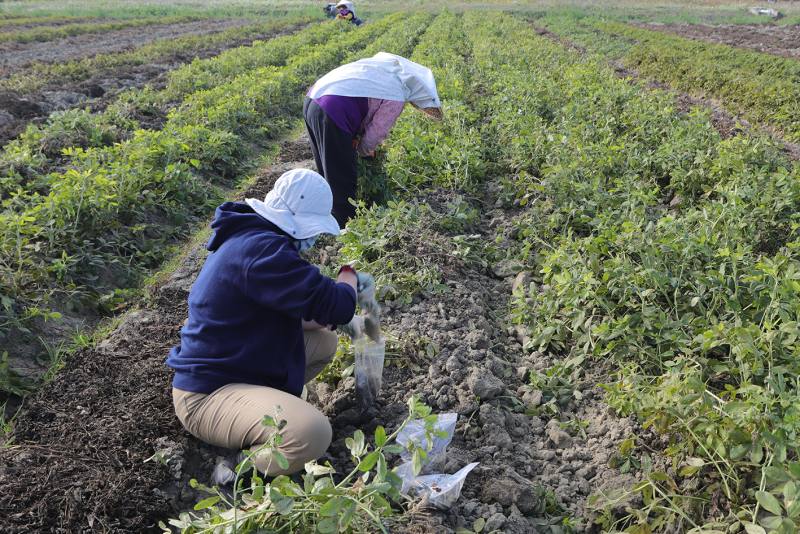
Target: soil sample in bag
{"points": [[369, 355]]}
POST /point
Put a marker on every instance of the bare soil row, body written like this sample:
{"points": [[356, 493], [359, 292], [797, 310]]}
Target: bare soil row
{"points": [[768, 38]]}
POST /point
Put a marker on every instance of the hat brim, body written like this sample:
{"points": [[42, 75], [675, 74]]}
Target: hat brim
{"points": [[300, 226]]}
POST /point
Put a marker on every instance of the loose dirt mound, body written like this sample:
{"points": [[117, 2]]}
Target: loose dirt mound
{"points": [[771, 39], [15, 55]]}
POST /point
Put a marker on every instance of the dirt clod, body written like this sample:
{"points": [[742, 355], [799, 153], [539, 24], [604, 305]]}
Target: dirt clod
{"points": [[495, 522], [485, 386], [506, 492]]}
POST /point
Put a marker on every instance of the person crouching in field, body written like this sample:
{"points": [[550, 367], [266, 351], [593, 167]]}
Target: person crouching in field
{"points": [[351, 110], [258, 325], [346, 11]]}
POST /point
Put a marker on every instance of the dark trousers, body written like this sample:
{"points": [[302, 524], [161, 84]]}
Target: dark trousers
{"points": [[335, 157]]}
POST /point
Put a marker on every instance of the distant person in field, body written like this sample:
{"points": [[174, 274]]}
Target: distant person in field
{"points": [[260, 324], [346, 11], [351, 110]]}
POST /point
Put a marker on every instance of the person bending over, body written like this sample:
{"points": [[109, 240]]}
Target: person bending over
{"points": [[351, 110]]}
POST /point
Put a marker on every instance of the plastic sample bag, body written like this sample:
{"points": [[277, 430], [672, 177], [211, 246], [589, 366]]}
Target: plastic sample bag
{"points": [[414, 432], [438, 490], [369, 357]]}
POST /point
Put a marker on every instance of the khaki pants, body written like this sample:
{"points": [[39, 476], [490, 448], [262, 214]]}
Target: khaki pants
{"points": [[231, 416]]}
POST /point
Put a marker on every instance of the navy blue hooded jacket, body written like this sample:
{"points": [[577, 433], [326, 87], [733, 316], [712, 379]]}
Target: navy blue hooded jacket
{"points": [[246, 306]]}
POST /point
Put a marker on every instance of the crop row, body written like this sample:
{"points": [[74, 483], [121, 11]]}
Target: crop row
{"points": [[762, 87], [39, 75], [420, 154], [115, 210], [207, 73], [6, 23], [670, 254], [26, 162], [68, 30], [318, 506]]}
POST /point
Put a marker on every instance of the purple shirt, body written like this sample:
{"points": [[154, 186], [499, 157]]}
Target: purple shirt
{"points": [[347, 112], [372, 118]]}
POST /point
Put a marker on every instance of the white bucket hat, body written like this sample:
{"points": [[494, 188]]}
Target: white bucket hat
{"points": [[300, 204]]}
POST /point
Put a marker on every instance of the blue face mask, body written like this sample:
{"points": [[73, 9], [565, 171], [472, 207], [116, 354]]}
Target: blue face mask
{"points": [[304, 244]]}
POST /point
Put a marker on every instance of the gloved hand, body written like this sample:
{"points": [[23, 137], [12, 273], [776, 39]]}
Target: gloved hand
{"points": [[355, 328], [366, 293]]}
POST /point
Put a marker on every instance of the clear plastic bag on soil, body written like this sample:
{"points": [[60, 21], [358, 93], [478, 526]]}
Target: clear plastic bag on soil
{"points": [[437, 490], [369, 357], [414, 432]]}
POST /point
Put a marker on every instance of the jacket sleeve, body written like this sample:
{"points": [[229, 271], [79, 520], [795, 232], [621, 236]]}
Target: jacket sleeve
{"points": [[380, 119], [279, 279]]}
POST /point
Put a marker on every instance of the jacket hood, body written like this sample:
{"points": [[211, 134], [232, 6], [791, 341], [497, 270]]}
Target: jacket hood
{"points": [[233, 217]]}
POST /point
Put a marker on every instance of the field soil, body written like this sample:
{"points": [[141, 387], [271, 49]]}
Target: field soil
{"points": [[81, 443], [15, 55], [18, 109], [769, 38]]}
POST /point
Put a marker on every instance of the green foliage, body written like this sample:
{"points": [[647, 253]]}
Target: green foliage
{"points": [[359, 501], [208, 73], [26, 161], [762, 87], [557, 385], [10, 381], [379, 240], [424, 152], [695, 303]]}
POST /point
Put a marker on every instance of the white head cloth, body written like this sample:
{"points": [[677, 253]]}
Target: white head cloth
{"points": [[348, 5], [384, 76]]}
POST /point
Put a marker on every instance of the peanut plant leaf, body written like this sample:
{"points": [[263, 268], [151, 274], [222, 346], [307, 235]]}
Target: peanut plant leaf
{"points": [[208, 502], [769, 502], [369, 461], [380, 436], [329, 525], [416, 461], [281, 460], [331, 508], [752, 528]]}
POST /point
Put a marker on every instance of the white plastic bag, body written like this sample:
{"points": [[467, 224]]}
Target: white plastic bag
{"points": [[438, 490], [369, 357], [414, 432]]}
